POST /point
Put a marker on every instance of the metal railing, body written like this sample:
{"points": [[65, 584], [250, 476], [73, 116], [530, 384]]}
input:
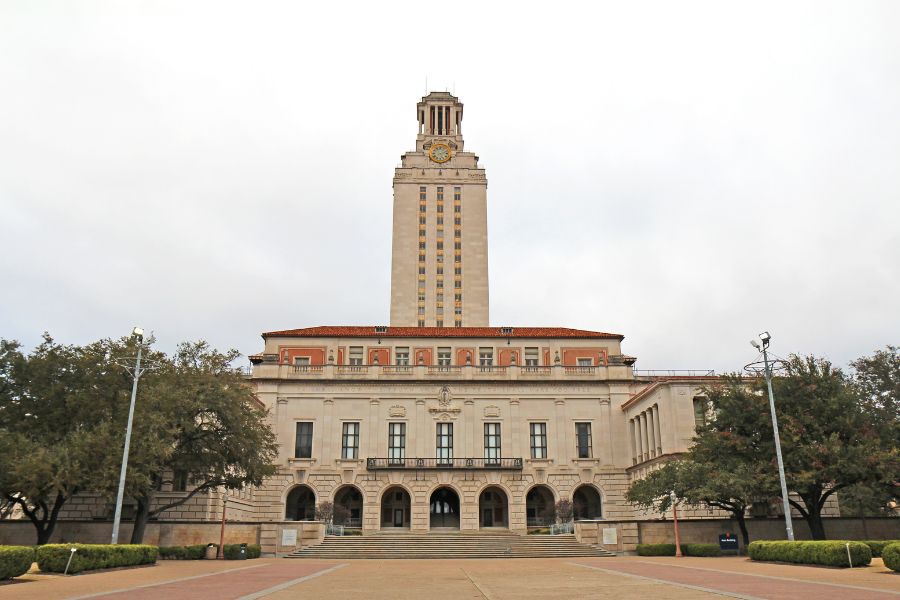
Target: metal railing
{"points": [[383, 464], [558, 528], [674, 373], [332, 529]]}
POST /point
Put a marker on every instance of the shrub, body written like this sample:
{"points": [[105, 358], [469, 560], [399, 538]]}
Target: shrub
{"points": [[196, 552], [877, 546], [539, 531], [701, 550], [686, 549], [891, 556], [656, 549], [232, 551], [53, 557], [15, 561], [832, 553]]}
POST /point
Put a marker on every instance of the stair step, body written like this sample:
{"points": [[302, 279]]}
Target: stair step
{"points": [[405, 545]]}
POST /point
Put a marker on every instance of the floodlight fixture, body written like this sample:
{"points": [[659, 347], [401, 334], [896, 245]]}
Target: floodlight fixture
{"points": [[765, 337], [755, 344], [138, 332]]}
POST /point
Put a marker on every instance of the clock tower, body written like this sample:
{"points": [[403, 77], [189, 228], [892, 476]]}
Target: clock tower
{"points": [[439, 267]]}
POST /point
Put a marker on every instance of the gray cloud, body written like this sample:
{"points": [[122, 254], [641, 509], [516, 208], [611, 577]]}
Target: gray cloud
{"points": [[686, 175]]}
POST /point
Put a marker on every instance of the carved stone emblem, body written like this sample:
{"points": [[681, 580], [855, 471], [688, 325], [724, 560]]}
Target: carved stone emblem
{"points": [[397, 411], [444, 410], [492, 411]]}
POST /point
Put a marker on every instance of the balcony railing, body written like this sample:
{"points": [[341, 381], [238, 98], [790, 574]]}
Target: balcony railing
{"points": [[389, 464], [275, 370]]}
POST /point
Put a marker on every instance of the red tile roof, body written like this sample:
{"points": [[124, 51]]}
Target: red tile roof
{"points": [[443, 332]]}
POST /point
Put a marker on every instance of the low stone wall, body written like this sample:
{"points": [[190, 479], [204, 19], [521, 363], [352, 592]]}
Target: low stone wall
{"points": [[171, 533], [629, 533]]}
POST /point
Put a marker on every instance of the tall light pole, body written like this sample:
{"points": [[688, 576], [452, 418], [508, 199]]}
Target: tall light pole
{"points": [[675, 522], [138, 333], [766, 338]]}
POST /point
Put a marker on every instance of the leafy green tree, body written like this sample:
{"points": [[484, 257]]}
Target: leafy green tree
{"points": [[829, 441], [876, 382], [51, 403], [198, 425]]}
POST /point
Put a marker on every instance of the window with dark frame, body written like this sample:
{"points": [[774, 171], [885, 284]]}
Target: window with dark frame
{"points": [[350, 441], [538, 440], [492, 443], [396, 443], [303, 446], [179, 481], [445, 443], [583, 439]]}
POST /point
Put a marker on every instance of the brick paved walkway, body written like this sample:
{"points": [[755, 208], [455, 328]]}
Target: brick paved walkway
{"points": [[741, 578], [622, 578]]}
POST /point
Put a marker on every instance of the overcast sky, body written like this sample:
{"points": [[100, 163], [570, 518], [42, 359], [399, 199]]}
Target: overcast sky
{"points": [[686, 174]]}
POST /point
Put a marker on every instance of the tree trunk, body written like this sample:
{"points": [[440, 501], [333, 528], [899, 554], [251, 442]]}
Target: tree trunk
{"points": [[47, 523], [814, 520], [742, 525], [141, 516]]}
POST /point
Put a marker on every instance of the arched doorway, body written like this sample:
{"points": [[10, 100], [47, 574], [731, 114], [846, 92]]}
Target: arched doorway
{"points": [[586, 503], [444, 508], [540, 509], [348, 506], [395, 507], [300, 504], [493, 508]]}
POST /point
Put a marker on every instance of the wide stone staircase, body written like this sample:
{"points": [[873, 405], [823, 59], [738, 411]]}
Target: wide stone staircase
{"points": [[449, 545]]}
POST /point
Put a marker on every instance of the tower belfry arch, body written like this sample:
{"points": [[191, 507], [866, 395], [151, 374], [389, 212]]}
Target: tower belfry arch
{"points": [[439, 266]]}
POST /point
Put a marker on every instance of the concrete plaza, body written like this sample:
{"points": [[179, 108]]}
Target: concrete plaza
{"points": [[622, 578]]}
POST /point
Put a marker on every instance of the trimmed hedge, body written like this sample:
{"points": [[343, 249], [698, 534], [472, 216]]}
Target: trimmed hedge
{"points": [[15, 561], [196, 552], [831, 553], [232, 551], [686, 549], [877, 546], [891, 556], [52, 558]]}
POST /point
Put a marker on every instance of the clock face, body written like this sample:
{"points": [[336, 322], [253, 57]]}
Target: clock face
{"points": [[440, 153]]}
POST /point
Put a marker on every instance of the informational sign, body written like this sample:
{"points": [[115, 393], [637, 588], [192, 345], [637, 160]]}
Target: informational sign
{"points": [[728, 541], [609, 536], [288, 537]]}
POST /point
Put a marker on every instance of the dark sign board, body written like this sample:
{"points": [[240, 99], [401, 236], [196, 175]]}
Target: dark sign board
{"points": [[728, 541]]}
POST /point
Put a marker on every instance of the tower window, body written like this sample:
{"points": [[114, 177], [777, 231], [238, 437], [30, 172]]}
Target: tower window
{"points": [[457, 208]]}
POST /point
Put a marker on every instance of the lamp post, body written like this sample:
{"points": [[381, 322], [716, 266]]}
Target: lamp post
{"points": [[221, 553], [675, 521], [138, 333], [766, 338]]}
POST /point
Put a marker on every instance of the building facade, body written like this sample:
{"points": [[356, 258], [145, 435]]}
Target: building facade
{"points": [[464, 428], [441, 420]]}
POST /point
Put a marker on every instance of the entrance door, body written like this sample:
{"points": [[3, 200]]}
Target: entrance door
{"points": [[398, 517], [488, 519]]}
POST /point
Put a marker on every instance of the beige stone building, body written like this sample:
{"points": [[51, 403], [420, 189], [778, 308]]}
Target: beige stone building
{"points": [[440, 420]]}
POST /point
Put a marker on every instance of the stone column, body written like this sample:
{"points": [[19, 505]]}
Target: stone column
{"points": [[562, 446], [658, 432], [372, 426], [515, 430], [642, 444], [327, 435], [417, 432], [651, 432], [470, 423]]}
